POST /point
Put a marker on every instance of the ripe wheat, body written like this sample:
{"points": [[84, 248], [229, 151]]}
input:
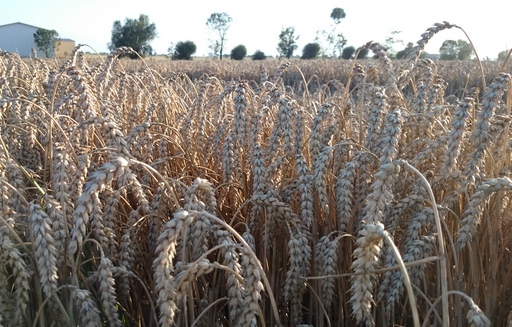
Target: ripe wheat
{"points": [[277, 193]]}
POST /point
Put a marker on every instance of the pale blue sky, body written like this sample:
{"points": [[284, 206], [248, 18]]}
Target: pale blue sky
{"points": [[257, 23]]}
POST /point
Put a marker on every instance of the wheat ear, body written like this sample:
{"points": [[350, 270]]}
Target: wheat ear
{"points": [[326, 260], [236, 289], [88, 312], [45, 251], [164, 269], [473, 213], [366, 256], [481, 138], [95, 184], [456, 134]]}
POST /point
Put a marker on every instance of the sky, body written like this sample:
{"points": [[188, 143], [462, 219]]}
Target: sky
{"points": [[257, 23]]}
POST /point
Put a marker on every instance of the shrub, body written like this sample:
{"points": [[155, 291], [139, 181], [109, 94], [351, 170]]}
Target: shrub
{"points": [[184, 50], [239, 52], [259, 55], [362, 53], [348, 52], [310, 51]]}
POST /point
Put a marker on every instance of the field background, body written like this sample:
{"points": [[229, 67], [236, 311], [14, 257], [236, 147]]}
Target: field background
{"points": [[254, 193]]}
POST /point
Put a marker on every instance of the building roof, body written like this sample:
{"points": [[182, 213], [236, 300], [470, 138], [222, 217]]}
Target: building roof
{"points": [[20, 24]]}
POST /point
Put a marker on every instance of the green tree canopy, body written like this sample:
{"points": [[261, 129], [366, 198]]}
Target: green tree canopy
{"points": [[451, 49], [333, 41], [348, 52], [183, 50], [337, 15], [239, 52], [465, 50], [362, 53], [135, 33], [402, 54], [391, 41], [46, 41], [259, 55], [287, 42], [310, 51], [448, 50], [219, 23], [502, 56]]}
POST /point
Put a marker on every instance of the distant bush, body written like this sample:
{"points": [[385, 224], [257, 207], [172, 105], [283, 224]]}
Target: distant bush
{"points": [[310, 51], [348, 52], [362, 53], [259, 55], [184, 50], [503, 55], [239, 52]]}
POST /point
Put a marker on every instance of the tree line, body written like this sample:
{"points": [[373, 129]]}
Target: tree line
{"points": [[139, 32]]}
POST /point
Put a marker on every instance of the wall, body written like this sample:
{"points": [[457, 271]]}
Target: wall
{"points": [[64, 48], [18, 37]]}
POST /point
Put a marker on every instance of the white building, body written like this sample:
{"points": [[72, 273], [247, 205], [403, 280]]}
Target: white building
{"points": [[19, 38]]}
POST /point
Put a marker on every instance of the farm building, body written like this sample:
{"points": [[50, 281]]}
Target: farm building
{"points": [[19, 38], [64, 47]]}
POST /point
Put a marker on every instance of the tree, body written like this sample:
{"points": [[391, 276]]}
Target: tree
{"points": [[287, 42], [146, 50], [503, 55], [310, 51], [390, 43], [135, 33], [334, 40], [448, 50], [362, 53], [215, 47], [465, 50], [259, 55], [239, 52], [219, 23], [183, 50], [337, 15], [402, 54], [338, 41], [348, 52], [451, 49], [46, 41]]}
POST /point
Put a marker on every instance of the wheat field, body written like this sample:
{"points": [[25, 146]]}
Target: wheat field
{"points": [[275, 193]]}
